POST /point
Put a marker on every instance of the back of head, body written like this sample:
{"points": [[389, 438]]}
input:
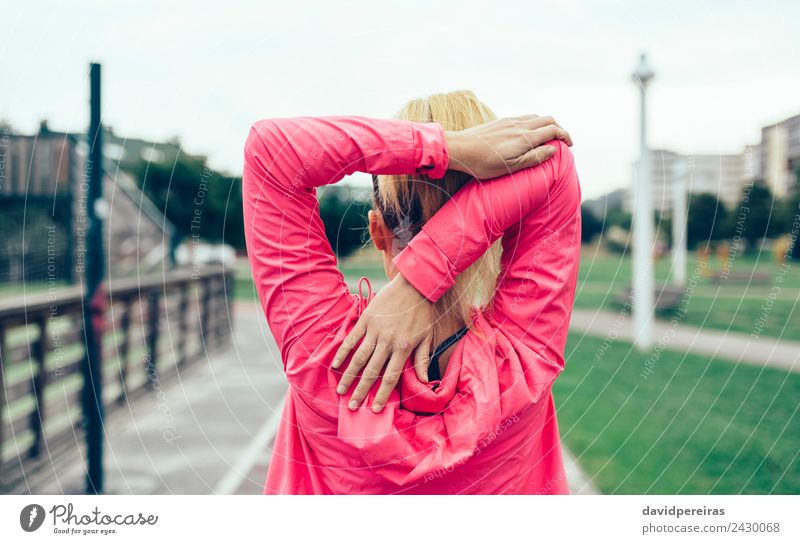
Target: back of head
{"points": [[408, 202]]}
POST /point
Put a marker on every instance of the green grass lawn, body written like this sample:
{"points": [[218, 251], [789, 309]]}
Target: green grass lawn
{"points": [[244, 289], [611, 268], [769, 308], [693, 426], [30, 287]]}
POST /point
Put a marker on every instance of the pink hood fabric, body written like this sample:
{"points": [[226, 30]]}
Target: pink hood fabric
{"points": [[489, 425]]}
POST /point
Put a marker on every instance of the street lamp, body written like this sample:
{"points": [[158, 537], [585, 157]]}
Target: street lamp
{"points": [[679, 182], [643, 223]]}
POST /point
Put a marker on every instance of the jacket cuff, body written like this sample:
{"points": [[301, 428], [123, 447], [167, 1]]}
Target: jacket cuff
{"points": [[430, 148], [425, 266]]}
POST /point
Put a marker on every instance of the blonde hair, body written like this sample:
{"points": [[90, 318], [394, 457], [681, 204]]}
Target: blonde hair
{"points": [[408, 202]]}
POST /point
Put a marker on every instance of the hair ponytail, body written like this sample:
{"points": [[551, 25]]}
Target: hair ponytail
{"points": [[408, 202]]}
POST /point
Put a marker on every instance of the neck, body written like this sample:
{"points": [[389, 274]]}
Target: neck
{"points": [[444, 327]]}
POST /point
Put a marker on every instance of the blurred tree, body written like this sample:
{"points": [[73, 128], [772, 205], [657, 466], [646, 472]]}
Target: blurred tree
{"points": [[196, 199], [591, 226], [757, 216], [345, 219], [617, 217], [706, 219], [202, 202]]}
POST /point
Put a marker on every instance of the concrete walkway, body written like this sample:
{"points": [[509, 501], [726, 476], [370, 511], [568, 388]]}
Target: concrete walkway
{"points": [[211, 432], [579, 482], [737, 347]]}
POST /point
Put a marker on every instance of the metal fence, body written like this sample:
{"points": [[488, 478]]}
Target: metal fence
{"points": [[151, 327]]}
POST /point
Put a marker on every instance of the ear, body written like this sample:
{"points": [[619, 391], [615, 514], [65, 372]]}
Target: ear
{"points": [[378, 231]]}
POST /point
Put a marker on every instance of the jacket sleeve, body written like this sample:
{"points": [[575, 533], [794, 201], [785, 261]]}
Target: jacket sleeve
{"points": [[294, 269], [537, 213]]}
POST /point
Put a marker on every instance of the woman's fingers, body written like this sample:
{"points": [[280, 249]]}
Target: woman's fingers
{"points": [[550, 132], [360, 358], [350, 341], [422, 359], [537, 155], [368, 377], [563, 135], [389, 381], [548, 125], [539, 122]]}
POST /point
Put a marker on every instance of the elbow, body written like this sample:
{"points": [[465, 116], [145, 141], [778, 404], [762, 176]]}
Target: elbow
{"points": [[254, 144], [260, 149], [268, 150], [563, 152], [266, 135]]}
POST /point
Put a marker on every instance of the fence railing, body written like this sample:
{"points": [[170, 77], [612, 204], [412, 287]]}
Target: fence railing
{"points": [[151, 327]]}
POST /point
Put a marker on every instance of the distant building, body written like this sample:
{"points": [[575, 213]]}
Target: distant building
{"points": [[664, 166], [42, 164], [43, 200], [775, 160], [752, 168], [723, 175], [780, 155]]}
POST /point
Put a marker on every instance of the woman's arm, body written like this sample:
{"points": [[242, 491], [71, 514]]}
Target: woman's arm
{"points": [[537, 213], [300, 288]]}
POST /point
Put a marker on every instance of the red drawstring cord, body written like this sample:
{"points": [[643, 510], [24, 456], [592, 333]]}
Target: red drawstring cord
{"points": [[369, 285]]}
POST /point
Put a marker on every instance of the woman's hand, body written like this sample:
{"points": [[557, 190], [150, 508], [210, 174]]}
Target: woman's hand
{"points": [[503, 146], [397, 321]]}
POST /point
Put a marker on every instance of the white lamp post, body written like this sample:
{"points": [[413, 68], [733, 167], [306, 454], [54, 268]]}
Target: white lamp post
{"points": [[643, 224], [679, 190]]}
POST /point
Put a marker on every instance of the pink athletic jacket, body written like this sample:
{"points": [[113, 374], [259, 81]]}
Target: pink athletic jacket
{"points": [[495, 428]]}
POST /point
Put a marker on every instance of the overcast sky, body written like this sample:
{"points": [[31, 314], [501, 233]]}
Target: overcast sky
{"points": [[204, 71]]}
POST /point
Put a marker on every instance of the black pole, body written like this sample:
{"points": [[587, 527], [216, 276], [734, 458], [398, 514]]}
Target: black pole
{"points": [[93, 295]]}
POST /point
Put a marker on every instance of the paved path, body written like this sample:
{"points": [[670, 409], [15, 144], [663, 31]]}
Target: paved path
{"points": [[222, 415], [578, 481], [737, 347]]}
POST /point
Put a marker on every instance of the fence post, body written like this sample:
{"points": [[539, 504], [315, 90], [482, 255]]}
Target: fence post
{"points": [[183, 325], [39, 353], [153, 315], [206, 310], [93, 297], [125, 350], [230, 287]]}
